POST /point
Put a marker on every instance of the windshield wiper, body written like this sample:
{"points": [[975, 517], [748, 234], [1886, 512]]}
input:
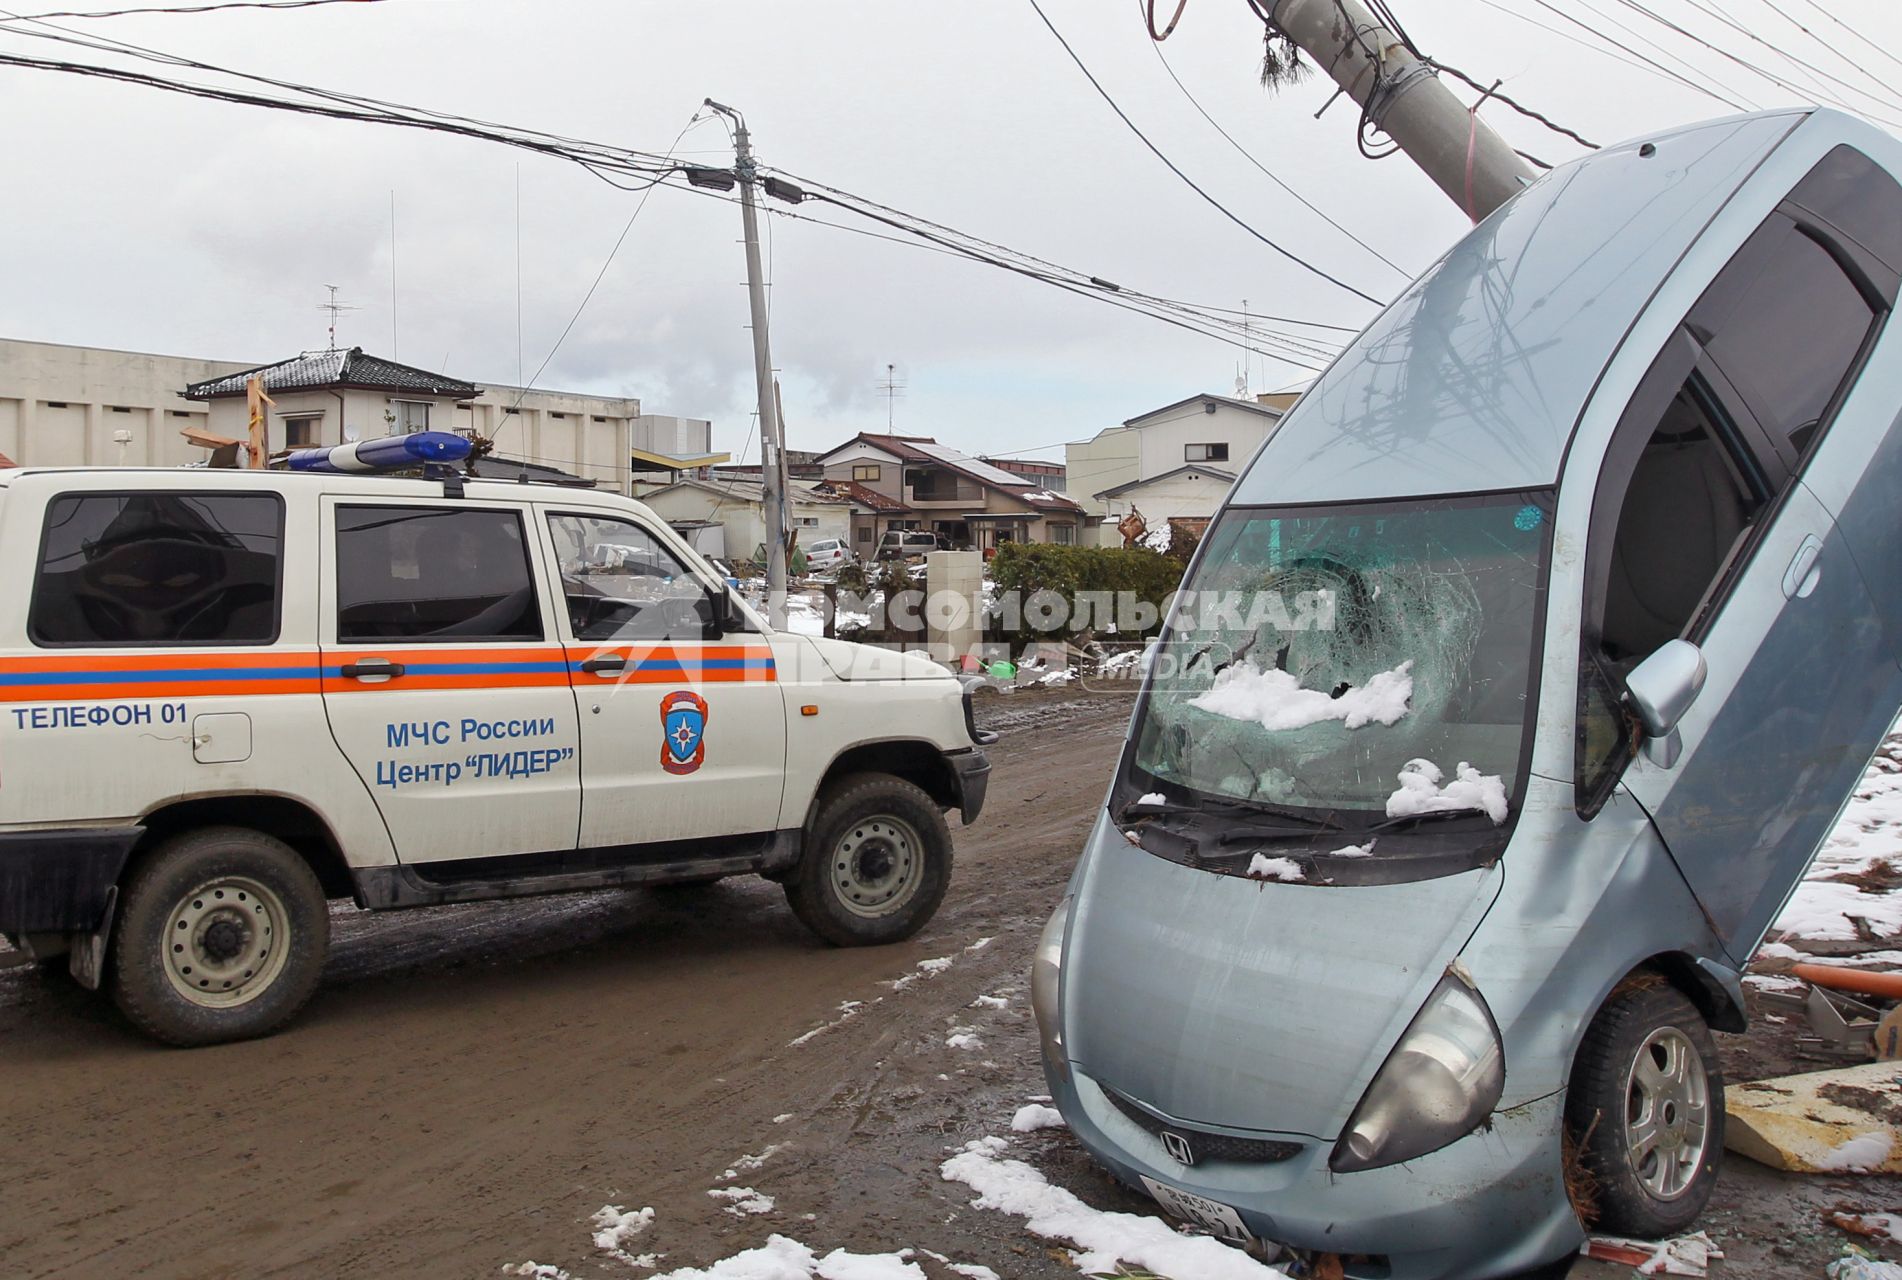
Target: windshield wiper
{"points": [[1432, 815], [1230, 809]]}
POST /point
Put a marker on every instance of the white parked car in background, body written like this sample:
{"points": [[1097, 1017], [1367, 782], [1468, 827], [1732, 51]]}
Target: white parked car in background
{"points": [[827, 555]]}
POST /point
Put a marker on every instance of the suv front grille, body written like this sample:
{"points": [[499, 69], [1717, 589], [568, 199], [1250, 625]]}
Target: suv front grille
{"points": [[1201, 1146]]}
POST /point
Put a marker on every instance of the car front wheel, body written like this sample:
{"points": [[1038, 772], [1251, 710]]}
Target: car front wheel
{"points": [[1646, 1110]]}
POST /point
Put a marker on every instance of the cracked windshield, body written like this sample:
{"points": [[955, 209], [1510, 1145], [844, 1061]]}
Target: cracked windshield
{"points": [[1372, 660]]}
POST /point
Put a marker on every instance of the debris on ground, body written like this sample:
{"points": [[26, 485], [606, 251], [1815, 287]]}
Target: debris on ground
{"points": [[1840, 1121], [1680, 1256], [1857, 1265]]}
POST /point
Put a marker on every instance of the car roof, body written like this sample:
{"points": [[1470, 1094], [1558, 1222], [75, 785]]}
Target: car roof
{"points": [[1475, 377], [366, 485]]}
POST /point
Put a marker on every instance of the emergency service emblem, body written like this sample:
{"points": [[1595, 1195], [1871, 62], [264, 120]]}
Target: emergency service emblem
{"points": [[683, 723]]}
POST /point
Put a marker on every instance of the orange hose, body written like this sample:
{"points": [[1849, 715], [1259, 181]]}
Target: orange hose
{"points": [[1859, 981]]}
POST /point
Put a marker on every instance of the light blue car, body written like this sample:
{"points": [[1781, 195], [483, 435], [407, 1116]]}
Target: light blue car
{"points": [[1516, 683]]}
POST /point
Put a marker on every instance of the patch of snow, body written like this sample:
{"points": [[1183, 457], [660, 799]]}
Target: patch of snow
{"points": [[989, 1002], [1856, 1266], [926, 969], [1859, 1154], [1780, 951], [536, 1271], [1773, 982], [1421, 792], [963, 1038], [782, 1258], [1827, 905], [1263, 867], [1154, 797], [848, 1010], [974, 1270], [615, 1229], [743, 1201], [979, 945], [1034, 1117], [1353, 851], [746, 1164], [1103, 1240], [1158, 539], [1275, 699], [783, 1117], [1063, 677]]}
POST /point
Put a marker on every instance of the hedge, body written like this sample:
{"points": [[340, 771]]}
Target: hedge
{"points": [[1030, 567]]}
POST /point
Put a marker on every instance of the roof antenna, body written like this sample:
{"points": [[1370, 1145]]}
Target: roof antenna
{"points": [[335, 308], [892, 388]]}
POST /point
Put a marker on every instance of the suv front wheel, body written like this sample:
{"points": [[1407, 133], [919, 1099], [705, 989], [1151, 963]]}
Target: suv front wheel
{"points": [[221, 935], [877, 863]]}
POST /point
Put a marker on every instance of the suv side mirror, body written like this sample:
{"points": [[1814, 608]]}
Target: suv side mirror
{"points": [[721, 619], [1660, 690]]}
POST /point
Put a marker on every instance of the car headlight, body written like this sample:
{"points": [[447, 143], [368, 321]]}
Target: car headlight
{"points": [[1440, 1082], [1046, 992]]}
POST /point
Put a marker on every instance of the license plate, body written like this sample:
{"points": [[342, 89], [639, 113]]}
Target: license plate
{"points": [[1211, 1215]]}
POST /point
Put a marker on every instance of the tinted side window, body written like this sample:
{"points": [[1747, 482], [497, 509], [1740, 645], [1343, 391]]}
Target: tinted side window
{"points": [[158, 568], [1786, 325], [1859, 198], [442, 574]]}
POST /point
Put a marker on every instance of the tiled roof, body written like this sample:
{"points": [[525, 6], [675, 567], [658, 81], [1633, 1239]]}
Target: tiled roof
{"points": [[6, 462], [1047, 500], [315, 370]]}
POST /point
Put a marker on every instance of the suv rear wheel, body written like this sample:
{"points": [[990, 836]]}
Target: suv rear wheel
{"points": [[876, 865], [221, 935]]}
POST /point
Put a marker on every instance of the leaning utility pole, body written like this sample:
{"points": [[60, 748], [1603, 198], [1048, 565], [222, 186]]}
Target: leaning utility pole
{"points": [[1404, 97], [773, 498]]}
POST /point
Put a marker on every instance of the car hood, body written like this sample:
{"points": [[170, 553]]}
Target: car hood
{"points": [[850, 661], [1248, 1004]]}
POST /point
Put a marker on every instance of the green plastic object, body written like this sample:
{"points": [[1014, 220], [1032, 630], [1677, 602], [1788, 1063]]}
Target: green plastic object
{"points": [[1003, 670]]}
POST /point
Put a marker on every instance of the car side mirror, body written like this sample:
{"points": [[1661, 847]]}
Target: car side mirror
{"points": [[1659, 691]]}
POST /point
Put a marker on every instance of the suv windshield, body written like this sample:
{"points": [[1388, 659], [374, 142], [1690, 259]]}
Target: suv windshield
{"points": [[1353, 666]]}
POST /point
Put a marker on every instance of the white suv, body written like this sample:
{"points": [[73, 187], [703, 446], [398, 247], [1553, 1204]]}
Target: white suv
{"points": [[232, 695]]}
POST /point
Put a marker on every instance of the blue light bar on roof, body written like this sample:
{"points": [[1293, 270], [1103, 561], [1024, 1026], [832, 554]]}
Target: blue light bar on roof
{"points": [[385, 453]]}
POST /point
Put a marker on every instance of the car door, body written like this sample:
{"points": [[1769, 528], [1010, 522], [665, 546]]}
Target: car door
{"points": [[683, 730], [1703, 528], [444, 677]]}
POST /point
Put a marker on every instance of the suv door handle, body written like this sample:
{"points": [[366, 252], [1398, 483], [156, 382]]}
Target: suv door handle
{"points": [[606, 664], [372, 669], [1802, 576]]}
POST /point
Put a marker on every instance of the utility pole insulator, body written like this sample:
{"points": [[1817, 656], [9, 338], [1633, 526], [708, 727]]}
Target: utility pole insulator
{"points": [[1404, 96]]}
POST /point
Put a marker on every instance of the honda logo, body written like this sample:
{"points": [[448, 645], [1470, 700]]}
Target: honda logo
{"points": [[1178, 1147]]}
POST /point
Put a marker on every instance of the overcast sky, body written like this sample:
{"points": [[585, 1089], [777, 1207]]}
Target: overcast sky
{"points": [[137, 219]]}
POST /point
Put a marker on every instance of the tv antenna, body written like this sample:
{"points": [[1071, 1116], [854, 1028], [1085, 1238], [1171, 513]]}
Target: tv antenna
{"points": [[892, 388], [335, 308]]}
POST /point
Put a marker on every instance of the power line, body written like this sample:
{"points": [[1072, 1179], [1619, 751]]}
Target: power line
{"points": [[1792, 19], [1732, 103], [1615, 52], [1156, 44], [1852, 31], [1216, 204], [602, 161], [200, 8]]}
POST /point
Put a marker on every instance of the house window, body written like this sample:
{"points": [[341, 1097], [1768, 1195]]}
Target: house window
{"points": [[303, 433], [867, 472], [410, 416], [806, 522], [559, 417], [865, 533], [1205, 452], [1063, 535]]}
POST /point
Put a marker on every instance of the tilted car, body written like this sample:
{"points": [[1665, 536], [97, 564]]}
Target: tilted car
{"points": [[232, 695], [1514, 687]]}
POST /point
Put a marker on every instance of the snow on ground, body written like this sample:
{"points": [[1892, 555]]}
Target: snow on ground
{"points": [[1263, 867], [1104, 1240], [743, 1201], [1275, 699], [747, 1164], [1036, 1116], [1860, 1154], [989, 1002], [1847, 881], [782, 1258], [1421, 792], [963, 1038]]}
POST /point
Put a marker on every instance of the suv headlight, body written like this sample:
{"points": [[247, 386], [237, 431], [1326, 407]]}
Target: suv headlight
{"points": [[1046, 991], [1439, 1083]]}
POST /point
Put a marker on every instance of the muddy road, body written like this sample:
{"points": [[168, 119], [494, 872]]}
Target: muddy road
{"points": [[471, 1084]]}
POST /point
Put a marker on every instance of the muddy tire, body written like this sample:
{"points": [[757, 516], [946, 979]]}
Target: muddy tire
{"points": [[876, 865], [221, 935], [1646, 1108]]}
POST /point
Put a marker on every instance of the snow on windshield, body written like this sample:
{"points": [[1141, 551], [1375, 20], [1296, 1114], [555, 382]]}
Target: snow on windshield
{"points": [[1315, 654], [1470, 791], [1276, 700]]}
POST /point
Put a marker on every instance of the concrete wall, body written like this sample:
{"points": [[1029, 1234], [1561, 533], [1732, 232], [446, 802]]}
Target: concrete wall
{"points": [[1193, 493], [62, 406]]}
